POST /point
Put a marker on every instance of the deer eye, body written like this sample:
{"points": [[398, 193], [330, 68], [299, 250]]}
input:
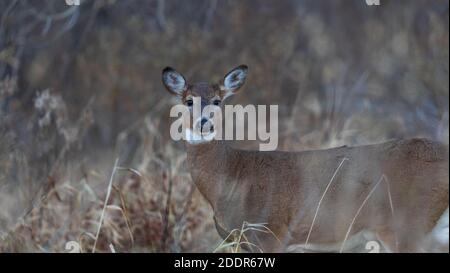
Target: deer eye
{"points": [[216, 102], [189, 102]]}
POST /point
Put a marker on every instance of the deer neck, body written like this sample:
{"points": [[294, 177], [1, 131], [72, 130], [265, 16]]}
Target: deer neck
{"points": [[207, 164]]}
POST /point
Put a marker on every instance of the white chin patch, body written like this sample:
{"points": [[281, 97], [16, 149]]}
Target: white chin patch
{"points": [[194, 138]]}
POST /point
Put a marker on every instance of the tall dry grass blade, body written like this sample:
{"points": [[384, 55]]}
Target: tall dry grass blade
{"points": [[223, 244], [392, 210], [108, 193], [131, 170], [358, 211], [264, 229], [125, 214], [241, 233], [240, 238], [321, 199]]}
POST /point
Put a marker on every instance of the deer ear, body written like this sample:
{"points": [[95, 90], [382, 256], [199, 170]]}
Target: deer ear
{"points": [[173, 81], [234, 80]]}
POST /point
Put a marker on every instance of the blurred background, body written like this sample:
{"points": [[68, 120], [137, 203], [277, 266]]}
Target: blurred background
{"points": [[81, 86]]}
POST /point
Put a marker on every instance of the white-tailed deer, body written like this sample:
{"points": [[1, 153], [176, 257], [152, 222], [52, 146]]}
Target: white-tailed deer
{"points": [[395, 191]]}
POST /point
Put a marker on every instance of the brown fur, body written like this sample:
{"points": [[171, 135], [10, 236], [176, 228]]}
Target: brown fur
{"points": [[282, 189]]}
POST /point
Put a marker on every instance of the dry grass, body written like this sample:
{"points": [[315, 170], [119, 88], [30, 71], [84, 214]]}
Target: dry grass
{"points": [[98, 218], [237, 240]]}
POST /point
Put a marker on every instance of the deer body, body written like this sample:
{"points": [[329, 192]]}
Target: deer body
{"points": [[283, 189], [397, 190]]}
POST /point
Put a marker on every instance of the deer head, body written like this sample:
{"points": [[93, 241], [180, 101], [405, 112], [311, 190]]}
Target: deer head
{"points": [[208, 95]]}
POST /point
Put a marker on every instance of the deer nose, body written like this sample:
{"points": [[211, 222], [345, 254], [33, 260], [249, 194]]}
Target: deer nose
{"points": [[204, 125], [203, 122]]}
